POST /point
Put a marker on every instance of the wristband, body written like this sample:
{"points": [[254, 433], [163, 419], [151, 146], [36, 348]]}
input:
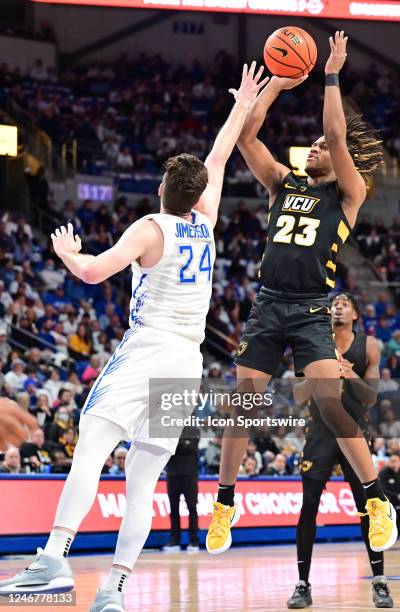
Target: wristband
{"points": [[332, 80]]}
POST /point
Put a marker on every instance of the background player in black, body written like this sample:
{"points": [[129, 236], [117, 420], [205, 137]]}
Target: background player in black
{"points": [[304, 235], [359, 357]]}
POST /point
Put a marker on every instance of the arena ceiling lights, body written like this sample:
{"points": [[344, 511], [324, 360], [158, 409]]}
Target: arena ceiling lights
{"points": [[340, 9]]}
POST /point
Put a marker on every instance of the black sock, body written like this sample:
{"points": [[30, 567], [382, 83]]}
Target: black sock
{"points": [[375, 558], [373, 489], [307, 526], [226, 494]]}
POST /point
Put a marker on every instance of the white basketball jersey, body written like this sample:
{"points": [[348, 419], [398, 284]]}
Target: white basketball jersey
{"points": [[174, 295]]}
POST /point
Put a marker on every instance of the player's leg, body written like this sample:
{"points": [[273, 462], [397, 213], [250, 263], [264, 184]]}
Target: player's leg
{"points": [[324, 375], [97, 439], [234, 444], [305, 537], [143, 466], [380, 590]]}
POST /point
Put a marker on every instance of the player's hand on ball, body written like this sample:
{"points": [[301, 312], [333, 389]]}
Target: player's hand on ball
{"points": [[15, 424], [338, 54], [286, 83], [250, 85], [64, 241]]}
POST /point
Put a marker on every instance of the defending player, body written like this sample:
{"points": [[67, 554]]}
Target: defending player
{"points": [[309, 220], [172, 255], [359, 364]]}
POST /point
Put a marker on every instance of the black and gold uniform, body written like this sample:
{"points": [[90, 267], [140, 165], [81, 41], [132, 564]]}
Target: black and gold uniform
{"points": [[306, 228], [321, 450]]}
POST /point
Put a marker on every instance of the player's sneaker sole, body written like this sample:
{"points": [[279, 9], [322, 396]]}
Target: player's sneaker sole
{"points": [[222, 549], [393, 537], [57, 585]]}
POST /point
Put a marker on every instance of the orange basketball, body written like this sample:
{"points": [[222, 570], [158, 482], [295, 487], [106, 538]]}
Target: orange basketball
{"points": [[290, 52]]}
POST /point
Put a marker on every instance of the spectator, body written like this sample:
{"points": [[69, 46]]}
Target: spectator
{"points": [[253, 452], [393, 346], [16, 377], [67, 442], [386, 383], [249, 467], [5, 348], [118, 467], [79, 343], [213, 454], [51, 276], [37, 453], [389, 428], [125, 160], [12, 462], [277, 467], [182, 478]]}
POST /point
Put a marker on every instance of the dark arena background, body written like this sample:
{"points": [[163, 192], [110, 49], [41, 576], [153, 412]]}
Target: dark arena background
{"points": [[95, 96]]}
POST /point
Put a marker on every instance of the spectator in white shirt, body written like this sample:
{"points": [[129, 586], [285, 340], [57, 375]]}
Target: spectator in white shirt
{"points": [[386, 382], [389, 428], [125, 159], [16, 377], [51, 276]]}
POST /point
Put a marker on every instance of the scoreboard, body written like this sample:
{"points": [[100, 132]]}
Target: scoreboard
{"points": [[385, 10]]}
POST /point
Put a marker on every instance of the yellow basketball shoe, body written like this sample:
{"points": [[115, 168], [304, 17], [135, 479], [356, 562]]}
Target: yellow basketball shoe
{"points": [[219, 536], [382, 524]]}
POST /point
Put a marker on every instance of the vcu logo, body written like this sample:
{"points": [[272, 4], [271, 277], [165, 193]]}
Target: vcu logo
{"points": [[299, 203]]}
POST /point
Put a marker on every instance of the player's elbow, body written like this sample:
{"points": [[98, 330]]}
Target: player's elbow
{"points": [[90, 275]]}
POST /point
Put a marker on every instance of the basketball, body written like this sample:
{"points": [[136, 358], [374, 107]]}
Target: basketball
{"points": [[290, 52]]}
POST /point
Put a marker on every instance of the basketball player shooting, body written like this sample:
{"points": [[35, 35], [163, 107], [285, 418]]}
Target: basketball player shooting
{"points": [[172, 255], [308, 222], [359, 357]]}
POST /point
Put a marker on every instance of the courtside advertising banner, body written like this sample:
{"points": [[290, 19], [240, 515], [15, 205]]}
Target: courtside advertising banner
{"points": [[339, 9], [28, 505]]}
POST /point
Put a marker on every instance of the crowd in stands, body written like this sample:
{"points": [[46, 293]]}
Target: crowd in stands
{"points": [[129, 117]]}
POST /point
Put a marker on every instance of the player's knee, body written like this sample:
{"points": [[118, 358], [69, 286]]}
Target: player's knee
{"points": [[310, 505]]}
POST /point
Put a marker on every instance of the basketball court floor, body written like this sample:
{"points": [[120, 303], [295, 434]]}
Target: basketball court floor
{"points": [[243, 579]]}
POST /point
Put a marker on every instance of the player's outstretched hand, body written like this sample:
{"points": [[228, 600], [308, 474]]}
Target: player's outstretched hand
{"points": [[250, 85], [64, 241], [15, 424], [338, 54]]}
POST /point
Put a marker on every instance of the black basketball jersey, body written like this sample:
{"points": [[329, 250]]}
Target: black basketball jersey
{"points": [[357, 355], [306, 228]]}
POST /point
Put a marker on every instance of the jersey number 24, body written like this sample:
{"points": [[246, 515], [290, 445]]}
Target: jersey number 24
{"points": [[186, 275]]}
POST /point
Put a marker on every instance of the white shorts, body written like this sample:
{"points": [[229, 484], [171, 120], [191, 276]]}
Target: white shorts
{"points": [[121, 391]]}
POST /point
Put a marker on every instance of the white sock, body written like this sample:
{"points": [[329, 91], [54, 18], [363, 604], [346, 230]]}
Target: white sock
{"points": [[116, 579], [59, 543]]}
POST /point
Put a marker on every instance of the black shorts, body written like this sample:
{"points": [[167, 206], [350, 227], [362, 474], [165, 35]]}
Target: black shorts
{"points": [[321, 452], [273, 324]]}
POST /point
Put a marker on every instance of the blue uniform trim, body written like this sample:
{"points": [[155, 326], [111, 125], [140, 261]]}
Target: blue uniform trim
{"points": [[98, 394], [134, 315]]}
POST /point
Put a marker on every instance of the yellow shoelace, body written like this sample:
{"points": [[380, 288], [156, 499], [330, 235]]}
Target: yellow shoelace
{"points": [[377, 517]]}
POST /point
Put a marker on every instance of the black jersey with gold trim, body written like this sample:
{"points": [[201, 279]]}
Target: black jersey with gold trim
{"points": [[306, 228]]}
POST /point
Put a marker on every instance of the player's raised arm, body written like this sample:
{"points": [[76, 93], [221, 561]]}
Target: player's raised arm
{"points": [[261, 162], [350, 181], [134, 242], [226, 139]]}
